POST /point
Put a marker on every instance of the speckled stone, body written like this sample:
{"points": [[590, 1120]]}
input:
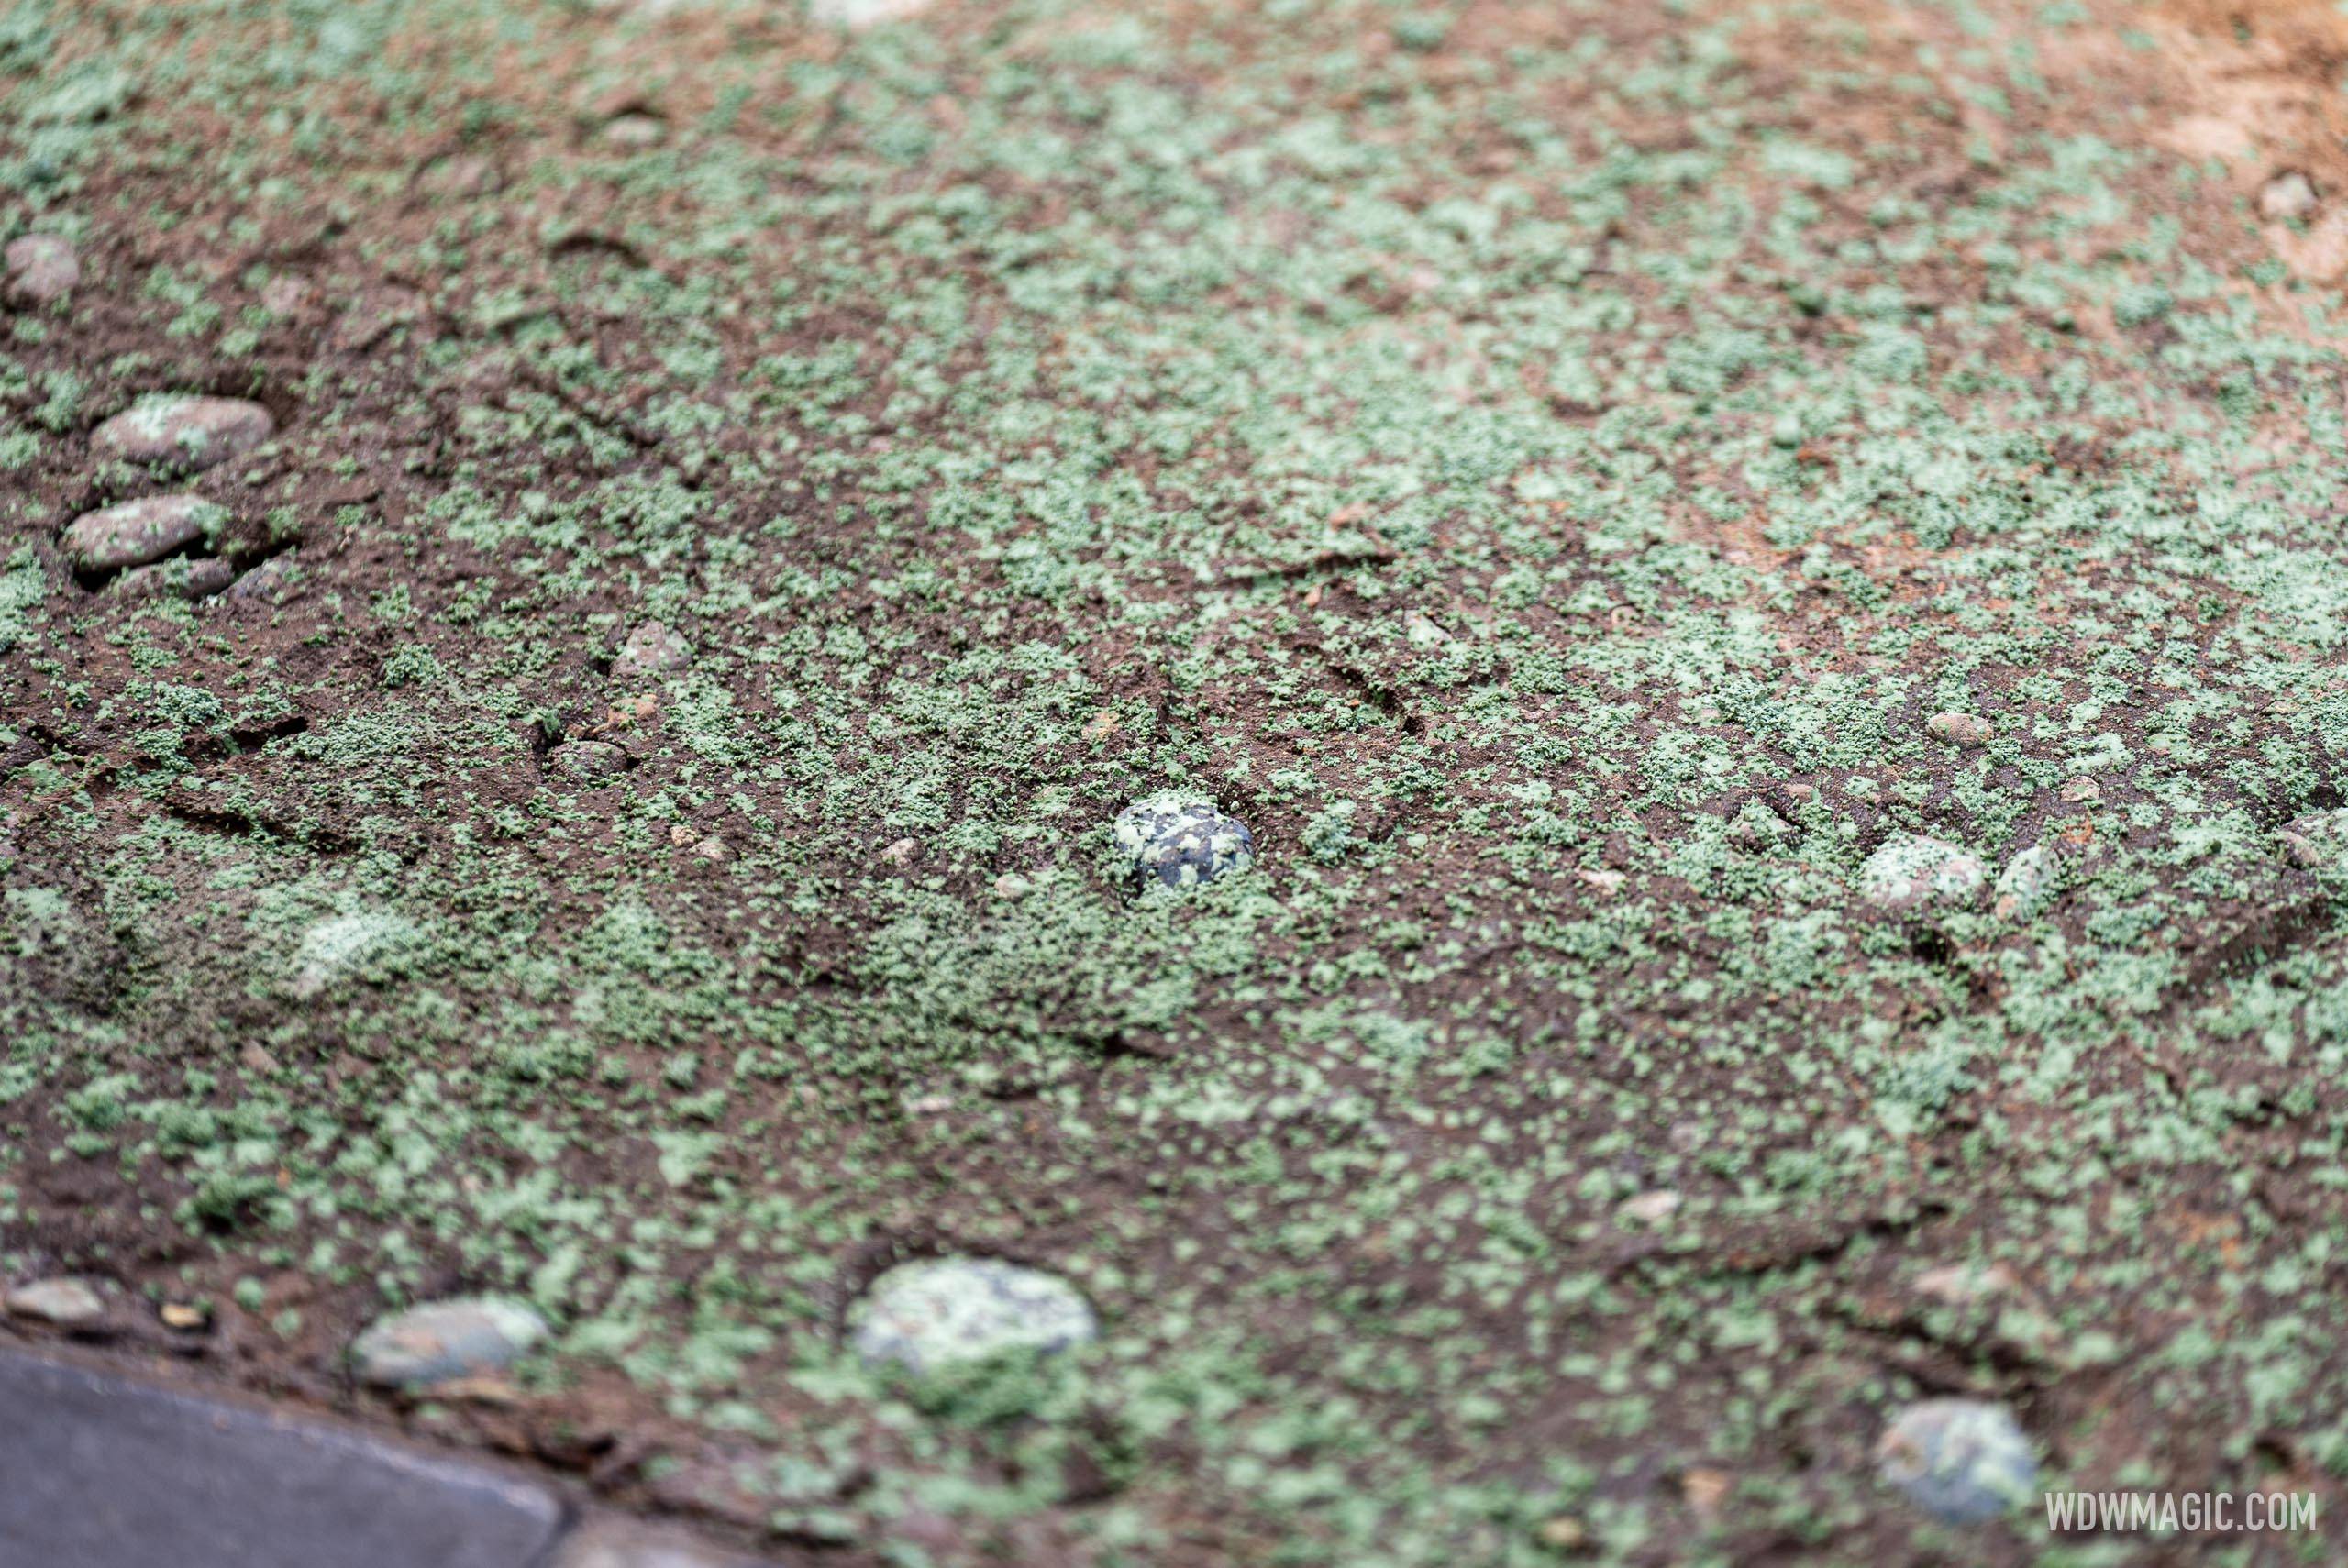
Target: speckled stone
{"points": [[652, 650], [856, 15], [269, 582], [139, 531], [2027, 884], [1181, 840], [1914, 873], [66, 1303], [334, 948], [943, 1312], [183, 433], [445, 1340], [1960, 1460], [41, 269], [585, 762], [2287, 195], [1966, 730], [2317, 840], [197, 578]]}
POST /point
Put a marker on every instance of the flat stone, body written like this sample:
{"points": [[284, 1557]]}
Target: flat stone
{"points": [[2027, 884], [652, 650], [1960, 1460], [586, 762], [2287, 195], [636, 132], [943, 1312], [197, 578], [106, 1473], [1912, 872], [445, 1340], [183, 433], [1179, 841], [41, 269], [67, 1303], [138, 532]]}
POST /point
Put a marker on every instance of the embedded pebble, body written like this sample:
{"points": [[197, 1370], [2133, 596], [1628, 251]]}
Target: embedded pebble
{"points": [[199, 578], [2287, 195], [445, 1340], [1652, 1208], [1910, 872], [650, 649], [268, 582], [1960, 1460], [139, 531], [2081, 789], [1965, 1285], [854, 15], [341, 946], [943, 1312], [67, 1303], [2316, 840], [2027, 882], [182, 433], [586, 762], [41, 269], [1959, 729], [1012, 885], [1181, 840], [636, 132]]}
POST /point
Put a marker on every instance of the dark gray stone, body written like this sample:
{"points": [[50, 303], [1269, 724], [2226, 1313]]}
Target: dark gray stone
{"points": [[106, 1473], [1179, 841]]}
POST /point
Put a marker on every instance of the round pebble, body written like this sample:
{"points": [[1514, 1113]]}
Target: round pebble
{"points": [[1960, 1460], [855, 15], [139, 531], [269, 583], [586, 762], [183, 433], [341, 946], [1959, 729], [1912, 872], [2289, 195], [1181, 840], [41, 269], [444, 1340], [943, 1312], [652, 650], [67, 1303]]}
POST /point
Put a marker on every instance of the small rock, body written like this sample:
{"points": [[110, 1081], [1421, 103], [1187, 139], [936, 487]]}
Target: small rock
{"points": [[712, 848], [2289, 195], [652, 650], [2082, 788], [1960, 1460], [345, 944], [183, 433], [636, 132], [141, 531], [586, 762], [1563, 1532], [614, 1544], [180, 1315], [41, 269], [271, 582], [1758, 827], [1910, 872], [1011, 885], [1959, 729], [1652, 1208], [1706, 1489], [2317, 840], [1181, 841], [857, 15], [289, 297], [1965, 1285], [198, 579], [944, 1312], [462, 177], [2026, 884], [445, 1340], [66, 1303]]}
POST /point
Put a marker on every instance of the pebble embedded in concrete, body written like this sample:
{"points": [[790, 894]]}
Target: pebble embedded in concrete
{"points": [[444, 1340], [937, 1313], [1913, 872], [63, 1303], [41, 269], [1960, 1460], [1179, 841], [650, 649], [183, 433], [138, 532]]}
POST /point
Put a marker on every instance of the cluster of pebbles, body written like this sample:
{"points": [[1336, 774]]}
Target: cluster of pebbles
{"points": [[162, 544]]}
